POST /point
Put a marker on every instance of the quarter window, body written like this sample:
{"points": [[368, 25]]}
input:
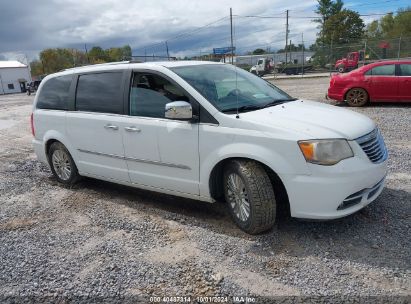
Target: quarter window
{"points": [[54, 94], [382, 70], [150, 93], [100, 92], [405, 69]]}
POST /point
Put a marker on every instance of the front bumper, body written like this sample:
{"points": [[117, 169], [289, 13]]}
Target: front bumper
{"points": [[332, 192]]}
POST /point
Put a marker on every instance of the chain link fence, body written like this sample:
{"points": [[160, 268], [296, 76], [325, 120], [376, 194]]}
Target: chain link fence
{"points": [[368, 50]]}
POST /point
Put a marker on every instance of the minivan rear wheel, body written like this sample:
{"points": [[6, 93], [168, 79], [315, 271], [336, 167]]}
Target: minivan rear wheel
{"points": [[62, 164], [249, 195]]}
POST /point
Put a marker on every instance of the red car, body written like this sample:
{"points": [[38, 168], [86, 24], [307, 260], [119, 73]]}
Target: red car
{"points": [[375, 82]]}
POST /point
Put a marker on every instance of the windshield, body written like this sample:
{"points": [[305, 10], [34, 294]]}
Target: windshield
{"points": [[229, 88]]}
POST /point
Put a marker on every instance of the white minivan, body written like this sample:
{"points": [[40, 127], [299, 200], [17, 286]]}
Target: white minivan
{"points": [[208, 131]]}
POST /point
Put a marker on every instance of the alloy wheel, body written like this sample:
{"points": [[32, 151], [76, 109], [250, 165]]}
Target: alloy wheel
{"points": [[61, 164], [357, 97], [238, 197]]}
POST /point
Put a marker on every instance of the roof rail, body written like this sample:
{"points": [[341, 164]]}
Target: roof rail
{"points": [[102, 64]]}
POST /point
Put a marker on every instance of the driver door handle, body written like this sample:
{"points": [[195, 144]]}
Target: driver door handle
{"points": [[132, 129]]}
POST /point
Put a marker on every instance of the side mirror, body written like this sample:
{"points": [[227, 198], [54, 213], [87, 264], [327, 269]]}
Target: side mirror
{"points": [[181, 110]]}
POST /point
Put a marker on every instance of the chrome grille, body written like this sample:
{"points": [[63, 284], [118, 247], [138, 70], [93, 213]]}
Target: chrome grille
{"points": [[373, 145]]}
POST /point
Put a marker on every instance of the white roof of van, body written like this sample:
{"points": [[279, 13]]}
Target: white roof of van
{"points": [[12, 64], [167, 64], [126, 64]]}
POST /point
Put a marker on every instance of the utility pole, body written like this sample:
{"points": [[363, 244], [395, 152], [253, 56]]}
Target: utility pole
{"points": [[331, 53], [231, 29], [303, 58], [85, 48], [168, 55], [399, 48], [286, 38], [28, 66]]}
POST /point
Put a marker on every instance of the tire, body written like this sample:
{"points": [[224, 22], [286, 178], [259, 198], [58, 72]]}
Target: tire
{"points": [[249, 195], [341, 69], [62, 164], [356, 97]]}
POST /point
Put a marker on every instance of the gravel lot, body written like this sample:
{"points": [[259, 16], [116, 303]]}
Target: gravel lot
{"points": [[99, 241]]}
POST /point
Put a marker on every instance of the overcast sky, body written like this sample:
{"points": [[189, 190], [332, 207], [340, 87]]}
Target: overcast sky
{"points": [[27, 26]]}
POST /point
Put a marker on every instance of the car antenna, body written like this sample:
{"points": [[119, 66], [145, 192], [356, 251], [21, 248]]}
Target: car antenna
{"points": [[236, 91], [232, 61]]}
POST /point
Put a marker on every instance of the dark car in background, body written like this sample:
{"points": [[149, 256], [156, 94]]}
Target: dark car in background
{"points": [[385, 81], [33, 86]]}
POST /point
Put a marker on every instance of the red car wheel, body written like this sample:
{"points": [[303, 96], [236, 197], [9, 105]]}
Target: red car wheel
{"points": [[356, 97]]}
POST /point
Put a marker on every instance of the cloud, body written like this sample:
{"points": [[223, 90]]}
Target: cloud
{"points": [[30, 26]]}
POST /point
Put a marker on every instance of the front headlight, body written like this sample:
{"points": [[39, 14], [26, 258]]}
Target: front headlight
{"points": [[325, 151]]}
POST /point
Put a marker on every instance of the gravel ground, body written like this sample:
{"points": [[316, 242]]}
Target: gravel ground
{"points": [[99, 241]]}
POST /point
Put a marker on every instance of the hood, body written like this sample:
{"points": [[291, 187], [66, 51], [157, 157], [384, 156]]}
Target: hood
{"points": [[342, 60], [313, 120]]}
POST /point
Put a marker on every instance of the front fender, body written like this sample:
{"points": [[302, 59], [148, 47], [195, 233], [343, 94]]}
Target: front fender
{"points": [[281, 163]]}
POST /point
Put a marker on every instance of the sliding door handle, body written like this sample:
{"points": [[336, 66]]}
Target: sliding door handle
{"points": [[112, 127], [132, 129]]}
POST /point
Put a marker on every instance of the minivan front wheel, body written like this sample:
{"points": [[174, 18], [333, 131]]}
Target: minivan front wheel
{"points": [[62, 164], [249, 195]]}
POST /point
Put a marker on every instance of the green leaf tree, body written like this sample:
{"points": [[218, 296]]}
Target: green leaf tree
{"points": [[343, 27]]}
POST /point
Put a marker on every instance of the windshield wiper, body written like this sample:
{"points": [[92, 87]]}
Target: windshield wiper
{"points": [[257, 107], [277, 102], [242, 109]]}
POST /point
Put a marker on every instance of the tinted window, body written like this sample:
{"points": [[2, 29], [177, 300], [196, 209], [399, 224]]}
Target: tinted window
{"points": [[100, 93], [405, 69], [150, 93], [382, 70], [55, 93]]}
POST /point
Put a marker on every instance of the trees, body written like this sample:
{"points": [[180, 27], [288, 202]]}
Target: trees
{"points": [[97, 55], [326, 9], [392, 31], [292, 48], [54, 60], [391, 26], [343, 27], [336, 26], [258, 52]]}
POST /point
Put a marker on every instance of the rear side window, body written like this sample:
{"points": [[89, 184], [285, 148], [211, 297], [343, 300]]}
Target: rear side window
{"points": [[382, 70], [100, 92], [54, 94], [405, 69]]}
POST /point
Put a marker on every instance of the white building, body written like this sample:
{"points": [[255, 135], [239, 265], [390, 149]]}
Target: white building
{"points": [[13, 77]]}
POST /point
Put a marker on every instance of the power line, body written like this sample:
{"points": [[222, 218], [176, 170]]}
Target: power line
{"points": [[183, 34], [368, 3], [310, 17]]}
